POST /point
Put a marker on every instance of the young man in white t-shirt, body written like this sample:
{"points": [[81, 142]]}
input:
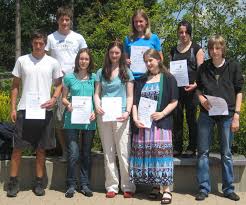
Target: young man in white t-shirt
{"points": [[34, 73], [64, 45]]}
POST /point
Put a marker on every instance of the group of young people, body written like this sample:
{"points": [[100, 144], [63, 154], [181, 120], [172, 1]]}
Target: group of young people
{"points": [[145, 154]]}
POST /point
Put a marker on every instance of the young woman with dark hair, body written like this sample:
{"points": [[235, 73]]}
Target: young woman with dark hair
{"points": [[115, 80]]}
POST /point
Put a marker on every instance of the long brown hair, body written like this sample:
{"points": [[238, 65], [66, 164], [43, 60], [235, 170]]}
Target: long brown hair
{"points": [[91, 65], [107, 65], [156, 55], [134, 33]]}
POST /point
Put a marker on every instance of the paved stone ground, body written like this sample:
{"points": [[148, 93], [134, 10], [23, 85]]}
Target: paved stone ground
{"points": [[53, 197]]}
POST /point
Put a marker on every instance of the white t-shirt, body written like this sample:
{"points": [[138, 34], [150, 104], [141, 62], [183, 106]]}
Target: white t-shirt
{"points": [[65, 48], [36, 76]]}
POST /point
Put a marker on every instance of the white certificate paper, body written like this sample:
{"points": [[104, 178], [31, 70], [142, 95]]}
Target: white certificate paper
{"points": [[218, 106], [33, 106], [180, 72], [146, 108], [137, 62], [81, 109], [112, 107]]}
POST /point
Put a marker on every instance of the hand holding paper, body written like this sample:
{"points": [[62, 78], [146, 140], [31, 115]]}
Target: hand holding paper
{"points": [[146, 108], [218, 106]]}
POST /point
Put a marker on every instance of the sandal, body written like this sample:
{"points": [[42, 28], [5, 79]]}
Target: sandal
{"points": [[166, 200], [155, 192]]}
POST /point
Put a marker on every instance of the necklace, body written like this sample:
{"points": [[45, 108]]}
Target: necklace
{"points": [[82, 77]]}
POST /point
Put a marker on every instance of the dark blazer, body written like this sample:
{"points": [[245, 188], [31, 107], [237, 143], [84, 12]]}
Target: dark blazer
{"points": [[168, 92]]}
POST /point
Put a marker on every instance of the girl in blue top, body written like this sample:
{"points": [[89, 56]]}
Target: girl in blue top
{"points": [[115, 80], [79, 83], [140, 36]]}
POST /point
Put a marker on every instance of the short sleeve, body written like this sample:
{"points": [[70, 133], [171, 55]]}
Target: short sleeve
{"points": [[157, 42], [126, 46], [66, 80], [48, 45], [17, 69], [82, 42], [99, 75], [57, 71], [131, 78]]}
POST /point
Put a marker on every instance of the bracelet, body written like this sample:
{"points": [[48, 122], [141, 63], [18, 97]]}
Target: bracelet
{"points": [[238, 112]]}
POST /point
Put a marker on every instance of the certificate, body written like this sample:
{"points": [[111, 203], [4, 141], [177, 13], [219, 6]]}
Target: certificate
{"points": [[33, 106], [137, 62], [112, 107], [82, 106], [146, 108], [180, 72], [218, 106]]}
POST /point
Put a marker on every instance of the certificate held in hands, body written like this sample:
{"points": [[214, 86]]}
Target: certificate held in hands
{"points": [[112, 107], [33, 106], [81, 109], [146, 108], [137, 62], [180, 72]]}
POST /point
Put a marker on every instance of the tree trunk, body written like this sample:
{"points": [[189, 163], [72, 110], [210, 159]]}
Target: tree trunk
{"points": [[17, 30]]}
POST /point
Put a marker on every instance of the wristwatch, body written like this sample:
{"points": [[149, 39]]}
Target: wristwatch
{"points": [[238, 112]]}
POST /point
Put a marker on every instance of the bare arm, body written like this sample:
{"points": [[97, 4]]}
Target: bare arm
{"points": [[97, 99], [58, 89], [160, 52], [14, 94], [65, 101], [200, 57], [167, 110], [235, 120], [129, 101], [135, 117]]}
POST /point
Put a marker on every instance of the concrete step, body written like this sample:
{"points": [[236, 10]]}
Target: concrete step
{"points": [[184, 173]]}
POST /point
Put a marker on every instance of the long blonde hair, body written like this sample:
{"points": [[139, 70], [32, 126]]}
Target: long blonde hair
{"points": [[134, 33]]}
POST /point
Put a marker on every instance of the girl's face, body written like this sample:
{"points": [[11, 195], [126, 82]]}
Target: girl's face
{"points": [[216, 52], [84, 61], [183, 35], [152, 64], [140, 24], [114, 55]]}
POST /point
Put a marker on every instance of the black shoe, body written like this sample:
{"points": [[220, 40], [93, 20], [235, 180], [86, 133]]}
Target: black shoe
{"points": [[70, 192], [201, 196], [233, 196], [13, 187], [38, 188], [86, 191]]}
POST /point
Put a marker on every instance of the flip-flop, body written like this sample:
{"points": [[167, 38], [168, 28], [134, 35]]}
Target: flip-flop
{"points": [[166, 200]]}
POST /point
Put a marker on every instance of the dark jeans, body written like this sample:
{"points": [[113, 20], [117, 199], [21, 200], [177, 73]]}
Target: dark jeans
{"points": [[205, 132], [189, 101], [83, 157]]}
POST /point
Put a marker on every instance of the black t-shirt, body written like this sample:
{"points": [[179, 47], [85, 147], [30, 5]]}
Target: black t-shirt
{"points": [[190, 56]]}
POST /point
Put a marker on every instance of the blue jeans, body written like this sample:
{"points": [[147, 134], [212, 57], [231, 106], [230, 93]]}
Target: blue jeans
{"points": [[83, 157], [205, 133]]}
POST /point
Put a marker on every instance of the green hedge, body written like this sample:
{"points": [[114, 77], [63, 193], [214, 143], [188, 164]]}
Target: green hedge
{"points": [[239, 145]]}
